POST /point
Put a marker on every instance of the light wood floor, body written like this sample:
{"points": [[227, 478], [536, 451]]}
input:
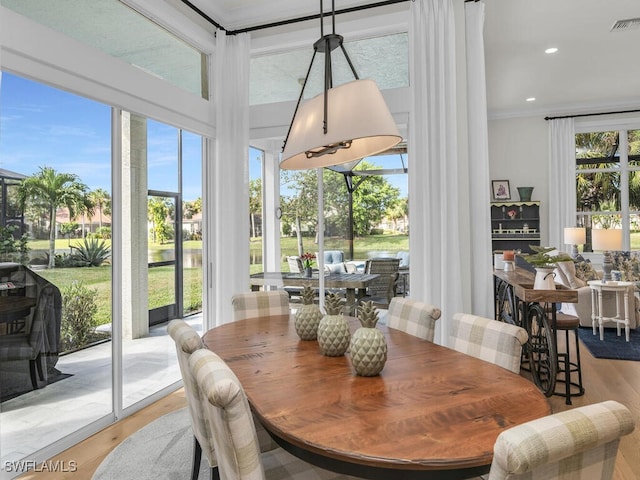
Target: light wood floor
{"points": [[603, 380]]}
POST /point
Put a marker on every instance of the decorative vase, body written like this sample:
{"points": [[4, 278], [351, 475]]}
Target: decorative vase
{"points": [[333, 329], [308, 315], [368, 347], [525, 193], [308, 272], [544, 279]]}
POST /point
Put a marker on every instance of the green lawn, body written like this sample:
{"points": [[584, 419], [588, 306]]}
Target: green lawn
{"points": [[361, 247]]}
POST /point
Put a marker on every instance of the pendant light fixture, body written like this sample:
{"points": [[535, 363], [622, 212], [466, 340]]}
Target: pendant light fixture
{"points": [[341, 124]]}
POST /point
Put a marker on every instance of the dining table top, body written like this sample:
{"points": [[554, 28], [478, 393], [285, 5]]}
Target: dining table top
{"points": [[431, 413]]}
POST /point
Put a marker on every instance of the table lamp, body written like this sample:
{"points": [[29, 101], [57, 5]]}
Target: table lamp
{"points": [[575, 236], [606, 241]]}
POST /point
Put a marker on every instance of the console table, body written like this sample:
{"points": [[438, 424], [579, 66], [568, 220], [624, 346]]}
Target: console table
{"points": [[517, 302]]}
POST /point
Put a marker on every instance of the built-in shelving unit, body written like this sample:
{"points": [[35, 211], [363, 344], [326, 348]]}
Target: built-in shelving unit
{"points": [[515, 225]]}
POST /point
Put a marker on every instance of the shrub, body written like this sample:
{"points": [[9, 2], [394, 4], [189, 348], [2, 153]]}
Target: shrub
{"points": [[104, 233], [78, 315], [92, 252], [13, 249]]}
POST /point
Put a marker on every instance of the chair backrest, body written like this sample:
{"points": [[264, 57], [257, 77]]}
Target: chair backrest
{"points": [[295, 264], [187, 342], [413, 317], [489, 340], [260, 304], [385, 285], [332, 256], [228, 413], [581, 443]]}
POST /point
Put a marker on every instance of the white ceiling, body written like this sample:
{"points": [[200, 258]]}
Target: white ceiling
{"points": [[594, 69]]}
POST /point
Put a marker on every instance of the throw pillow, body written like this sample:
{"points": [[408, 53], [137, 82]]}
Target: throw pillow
{"points": [[585, 271], [566, 274], [336, 268]]}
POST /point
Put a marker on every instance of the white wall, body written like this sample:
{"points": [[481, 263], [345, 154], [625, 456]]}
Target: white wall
{"points": [[519, 152]]}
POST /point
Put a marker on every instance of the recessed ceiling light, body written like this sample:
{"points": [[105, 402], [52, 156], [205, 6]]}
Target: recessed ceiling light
{"points": [[551, 50], [531, 99]]}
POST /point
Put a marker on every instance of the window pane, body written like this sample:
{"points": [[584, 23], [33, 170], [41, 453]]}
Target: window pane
{"points": [[162, 148], [256, 262], [192, 222], [633, 138], [278, 77], [597, 176], [597, 150], [122, 33], [598, 191], [61, 143]]}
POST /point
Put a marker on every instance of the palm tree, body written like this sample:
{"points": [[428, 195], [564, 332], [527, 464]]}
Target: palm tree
{"points": [[50, 190], [101, 199]]}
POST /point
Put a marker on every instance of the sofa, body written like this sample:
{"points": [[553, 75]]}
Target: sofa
{"points": [[576, 274]]}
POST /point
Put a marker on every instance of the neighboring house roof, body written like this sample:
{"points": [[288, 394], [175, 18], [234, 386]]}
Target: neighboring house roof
{"points": [[9, 174]]}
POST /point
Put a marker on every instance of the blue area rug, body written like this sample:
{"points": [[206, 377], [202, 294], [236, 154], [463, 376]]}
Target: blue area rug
{"points": [[612, 347]]}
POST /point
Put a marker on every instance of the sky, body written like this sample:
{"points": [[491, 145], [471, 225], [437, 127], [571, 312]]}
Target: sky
{"points": [[44, 126]]}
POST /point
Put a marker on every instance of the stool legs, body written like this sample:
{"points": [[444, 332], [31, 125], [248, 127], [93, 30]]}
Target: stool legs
{"points": [[567, 367]]}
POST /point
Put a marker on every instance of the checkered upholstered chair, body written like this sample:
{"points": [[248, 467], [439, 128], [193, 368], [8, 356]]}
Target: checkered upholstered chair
{"points": [[489, 340], [260, 304], [578, 444], [233, 429], [413, 317], [187, 342]]}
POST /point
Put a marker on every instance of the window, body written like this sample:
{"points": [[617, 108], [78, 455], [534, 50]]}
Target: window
{"points": [[608, 183], [125, 34]]}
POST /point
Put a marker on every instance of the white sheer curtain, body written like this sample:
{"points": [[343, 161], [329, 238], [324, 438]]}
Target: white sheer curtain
{"points": [[230, 262], [480, 193], [562, 179], [436, 275]]}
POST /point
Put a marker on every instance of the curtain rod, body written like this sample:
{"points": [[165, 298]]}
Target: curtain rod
{"points": [[290, 21], [203, 15], [591, 114]]}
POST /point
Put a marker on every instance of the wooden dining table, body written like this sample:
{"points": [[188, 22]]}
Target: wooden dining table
{"points": [[433, 413]]}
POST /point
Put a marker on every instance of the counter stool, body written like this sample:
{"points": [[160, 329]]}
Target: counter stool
{"points": [[566, 367]]}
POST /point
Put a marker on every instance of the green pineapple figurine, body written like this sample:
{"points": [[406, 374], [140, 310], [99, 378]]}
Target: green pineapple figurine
{"points": [[368, 346], [308, 315], [333, 330]]}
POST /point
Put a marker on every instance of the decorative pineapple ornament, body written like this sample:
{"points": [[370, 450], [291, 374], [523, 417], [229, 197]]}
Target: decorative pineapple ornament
{"points": [[333, 330], [308, 315], [368, 347]]}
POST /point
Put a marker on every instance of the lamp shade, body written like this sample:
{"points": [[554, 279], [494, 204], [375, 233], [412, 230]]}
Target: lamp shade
{"points": [[606, 240], [575, 236], [359, 124]]}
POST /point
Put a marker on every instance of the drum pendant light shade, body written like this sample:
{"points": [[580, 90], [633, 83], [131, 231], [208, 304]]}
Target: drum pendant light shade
{"points": [[359, 124]]}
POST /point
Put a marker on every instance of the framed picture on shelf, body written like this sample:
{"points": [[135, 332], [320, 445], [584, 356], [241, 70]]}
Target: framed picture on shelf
{"points": [[500, 189]]}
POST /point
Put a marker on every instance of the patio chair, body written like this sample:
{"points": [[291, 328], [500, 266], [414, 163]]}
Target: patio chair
{"points": [[260, 304], [34, 343], [295, 264], [489, 340], [578, 443], [383, 288]]}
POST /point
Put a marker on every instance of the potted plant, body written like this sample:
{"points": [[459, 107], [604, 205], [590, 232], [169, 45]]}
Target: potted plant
{"points": [[307, 262], [544, 263]]}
